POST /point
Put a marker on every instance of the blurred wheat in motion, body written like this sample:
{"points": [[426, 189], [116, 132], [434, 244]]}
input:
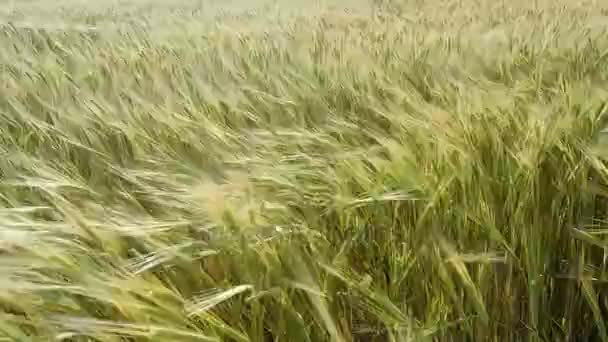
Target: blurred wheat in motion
{"points": [[390, 171]]}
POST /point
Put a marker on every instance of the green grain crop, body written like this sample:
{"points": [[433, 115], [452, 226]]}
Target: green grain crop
{"points": [[391, 171]]}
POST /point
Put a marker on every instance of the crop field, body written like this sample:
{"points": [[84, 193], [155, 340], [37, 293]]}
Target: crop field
{"points": [[303, 171]]}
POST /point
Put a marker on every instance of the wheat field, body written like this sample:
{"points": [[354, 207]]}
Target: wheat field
{"points": [[297, 171]]}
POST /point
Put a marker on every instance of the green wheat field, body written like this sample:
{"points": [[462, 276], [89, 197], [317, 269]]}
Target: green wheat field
{"points": [[299, 171]]}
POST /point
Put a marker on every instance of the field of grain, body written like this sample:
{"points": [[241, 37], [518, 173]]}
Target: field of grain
{"points": [[297, 171]]}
